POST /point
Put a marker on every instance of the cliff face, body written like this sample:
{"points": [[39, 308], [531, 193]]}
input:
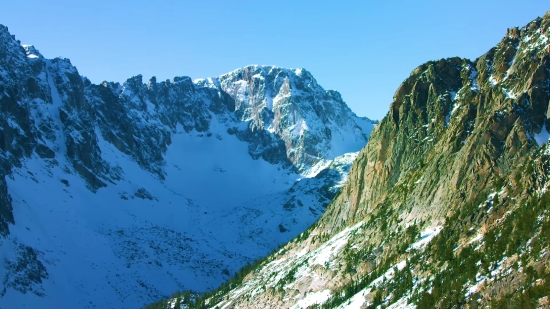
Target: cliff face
{"points": [[290, 103], [459, 123], [446, 206]]}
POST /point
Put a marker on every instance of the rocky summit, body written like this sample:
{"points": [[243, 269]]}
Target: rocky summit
{"points": [[446, 207], [115, 195]]}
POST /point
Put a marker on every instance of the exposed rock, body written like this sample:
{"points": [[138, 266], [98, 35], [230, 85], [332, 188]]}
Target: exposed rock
{"points": [[25, 272]]}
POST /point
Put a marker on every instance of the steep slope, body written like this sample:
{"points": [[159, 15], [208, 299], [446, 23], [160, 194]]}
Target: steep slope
{"points": [[447, 205], [114, 195]]}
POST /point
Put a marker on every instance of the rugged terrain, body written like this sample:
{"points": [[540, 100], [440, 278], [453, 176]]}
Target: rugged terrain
{"points": [[114, 195], [446, 207]]}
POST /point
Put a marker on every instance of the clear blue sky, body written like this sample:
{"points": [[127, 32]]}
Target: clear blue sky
{"points": [[364, 49]]}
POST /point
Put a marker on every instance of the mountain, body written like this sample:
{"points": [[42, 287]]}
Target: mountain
{"points": [[114, 195], [446, 207]]}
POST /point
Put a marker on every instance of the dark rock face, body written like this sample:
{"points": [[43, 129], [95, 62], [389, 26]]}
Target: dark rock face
{"points": [[25, 273], [6, 214], [17, 137]]}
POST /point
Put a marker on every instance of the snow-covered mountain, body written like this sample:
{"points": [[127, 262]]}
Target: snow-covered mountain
{"points": [[113, 195]]}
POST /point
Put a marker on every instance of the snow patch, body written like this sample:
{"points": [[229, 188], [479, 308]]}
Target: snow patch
{"points": [[389, 274], [493, 81], [478, 237], [509, 94], [312, 299], [299, 128], [426, 236], [357, 301]]}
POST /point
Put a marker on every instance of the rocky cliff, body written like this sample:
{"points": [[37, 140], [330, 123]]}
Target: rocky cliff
{"points": [[447, 205]]}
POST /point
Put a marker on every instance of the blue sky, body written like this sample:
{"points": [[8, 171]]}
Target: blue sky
{"points": [[363, 49]]}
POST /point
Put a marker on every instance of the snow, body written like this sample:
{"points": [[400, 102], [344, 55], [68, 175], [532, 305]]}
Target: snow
{"points": [[499, 267], [478, 237], [15, 125], [536, 41], [318, 167], [357, 301], [426, 236], [475, 287], [509, 94], [349, 138], [389, 274], [453, 95], [181, 228], [299, 128], [181, 239], [269, 102], [493, 81], [279, 91], [271, 274], [312, 299], [323, 254], [473, 79], [31, 51], [455, 108], [54, 110]]}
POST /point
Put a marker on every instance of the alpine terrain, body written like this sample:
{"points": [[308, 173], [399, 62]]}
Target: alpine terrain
{"points": [[448, 206], [115, 195]]}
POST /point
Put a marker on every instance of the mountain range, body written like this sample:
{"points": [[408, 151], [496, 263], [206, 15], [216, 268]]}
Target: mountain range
{"points": [[115, 195]]}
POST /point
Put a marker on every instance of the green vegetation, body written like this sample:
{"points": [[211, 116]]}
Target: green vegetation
{"points": [[400, 284], [528, 296], [450, 264], [459, 266]]}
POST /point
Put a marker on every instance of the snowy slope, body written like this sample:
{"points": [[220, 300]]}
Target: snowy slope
{"points": [[131, 249], [116, 195]]}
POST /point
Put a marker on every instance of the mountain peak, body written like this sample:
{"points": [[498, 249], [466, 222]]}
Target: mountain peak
{"points": [[32, 52]]}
